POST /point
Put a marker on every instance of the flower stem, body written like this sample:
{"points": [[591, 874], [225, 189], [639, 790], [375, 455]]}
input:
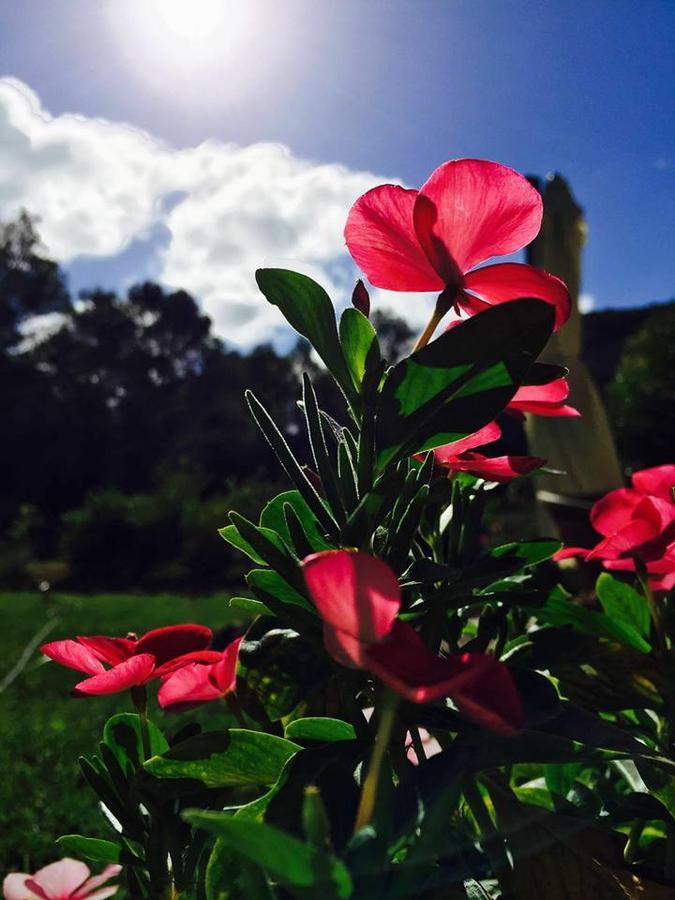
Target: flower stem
{"points": [[654, 606], [235, 709], [443, 305], [140, 698], [372, 780]]}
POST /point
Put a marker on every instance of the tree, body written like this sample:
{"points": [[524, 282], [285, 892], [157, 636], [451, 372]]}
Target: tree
{"points": [[640, 397]]}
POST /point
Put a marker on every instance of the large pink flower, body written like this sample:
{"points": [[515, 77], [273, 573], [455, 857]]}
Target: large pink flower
{"points": [[358, 598], [460, 456], [636, 523], [468, 211], [199, 682], [67, 879], [132, 661]]}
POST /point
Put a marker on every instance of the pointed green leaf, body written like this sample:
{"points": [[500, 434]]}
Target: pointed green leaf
{"points": [[359, 343], [287, 859], [623, 603], [273, 517], [308, 308]]}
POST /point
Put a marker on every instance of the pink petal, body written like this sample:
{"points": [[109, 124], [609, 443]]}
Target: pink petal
{"points": [[345, 649], [470, 210], [14, 887], [224, 673], [553, 392], [60, 879], [510, 281], [480, 686], [74, 656], [205, 657], [486, 435], [174, 640], [623, 542], [353, 591], [658, 481], [614, 510], [110, 649], [130, 673], [187, 687], [570, 553], [381, 238], [88, 889], [500, 469]]}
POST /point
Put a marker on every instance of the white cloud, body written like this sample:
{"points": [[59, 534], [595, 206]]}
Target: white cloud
{"points": [[98, 185]]}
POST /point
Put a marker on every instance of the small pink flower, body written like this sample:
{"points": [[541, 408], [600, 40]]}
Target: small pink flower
{"points": [[132, 661], [67, 879]]}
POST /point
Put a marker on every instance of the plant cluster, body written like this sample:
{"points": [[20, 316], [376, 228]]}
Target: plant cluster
{"points": [[418, 714]]}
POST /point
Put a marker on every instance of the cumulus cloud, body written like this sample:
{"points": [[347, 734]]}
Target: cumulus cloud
{"points": [[98, 185]]}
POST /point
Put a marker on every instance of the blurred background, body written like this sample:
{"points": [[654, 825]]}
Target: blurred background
{"points": [[153, 154]]}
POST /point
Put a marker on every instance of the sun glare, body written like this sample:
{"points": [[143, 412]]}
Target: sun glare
{"points": [[190, 40], [194, 20]]}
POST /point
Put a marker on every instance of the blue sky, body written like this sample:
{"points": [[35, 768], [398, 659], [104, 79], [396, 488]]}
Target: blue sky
{"points": [[390, 89]]}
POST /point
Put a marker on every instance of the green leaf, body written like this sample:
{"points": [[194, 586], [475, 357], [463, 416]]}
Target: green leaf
{"points": [[308, 308], [359, 343], [224, 758], [315, 728], [228, 876], [559, 610], [267, 583], [256, 607], [122, 733], [287, 859], [461, 380], [230, 534], [273, 517], [623, 604], [290, 464], [269, 546], [278, 669], [322, 459], [526, 553], [96, 850]]}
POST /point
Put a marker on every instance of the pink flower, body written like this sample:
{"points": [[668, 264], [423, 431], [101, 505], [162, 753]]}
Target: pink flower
{"points": [[468, 211], [197, 683], [358, 598], [542, 400], [636, 523], [459, 456], [66, 879], [132, 661]]}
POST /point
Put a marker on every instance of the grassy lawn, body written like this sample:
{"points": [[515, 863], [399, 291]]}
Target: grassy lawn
{"points": [[44, 729]]}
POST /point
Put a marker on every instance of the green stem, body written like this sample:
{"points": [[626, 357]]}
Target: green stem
{"points": [[443, 305], [654, 606], [235, 709], [488, 835], [633, 842], [371, 783], [140, 698]]}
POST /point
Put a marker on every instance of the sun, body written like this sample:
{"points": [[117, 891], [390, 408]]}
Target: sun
{"points": [[192, 40], [194, 20]]}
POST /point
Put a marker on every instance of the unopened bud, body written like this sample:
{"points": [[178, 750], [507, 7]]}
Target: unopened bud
{"points": [[361, 299]]}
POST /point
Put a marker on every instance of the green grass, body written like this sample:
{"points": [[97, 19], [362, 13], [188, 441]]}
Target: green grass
{"points": [[44, 729]]}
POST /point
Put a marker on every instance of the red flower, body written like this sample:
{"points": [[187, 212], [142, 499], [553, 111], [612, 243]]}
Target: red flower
{"points": [[458, 456], [197, 683], [542, 400], [133, 661], [358, 598], [636, 523], [468, 211]]}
